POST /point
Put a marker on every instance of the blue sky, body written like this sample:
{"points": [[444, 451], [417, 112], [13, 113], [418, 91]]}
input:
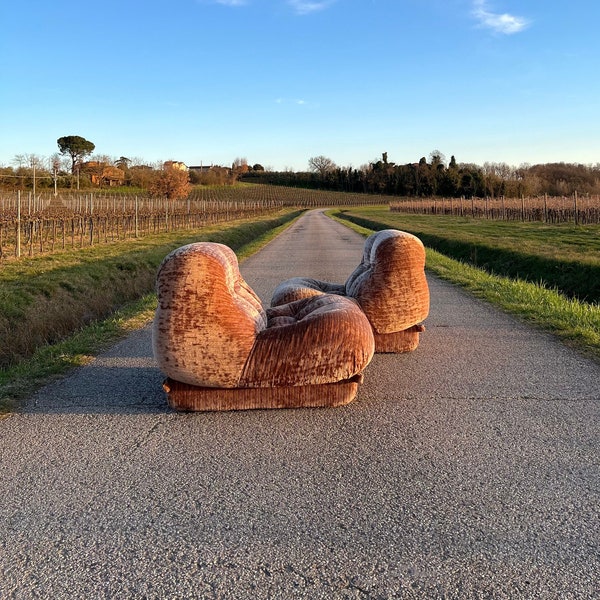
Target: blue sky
{"points": [[280, 81]]}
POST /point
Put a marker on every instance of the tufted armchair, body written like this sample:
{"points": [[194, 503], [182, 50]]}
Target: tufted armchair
{"points": [[389, 285], [221, 350]]}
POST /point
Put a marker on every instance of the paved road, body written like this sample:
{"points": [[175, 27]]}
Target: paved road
{"points": [[467, 469]]}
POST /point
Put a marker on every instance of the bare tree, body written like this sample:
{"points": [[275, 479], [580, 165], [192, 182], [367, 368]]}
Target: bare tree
{"points": [[59, 162], [437, 158], [321, 164], [239, 167], [240, 164]]}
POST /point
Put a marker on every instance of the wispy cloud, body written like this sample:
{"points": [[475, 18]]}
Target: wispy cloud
{"points": [[504, 23], [300, 7], [232, 2], [297, 101], [304, 7]]}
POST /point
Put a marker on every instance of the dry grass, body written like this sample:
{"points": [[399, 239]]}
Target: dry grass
{"points": [[52, 315]]}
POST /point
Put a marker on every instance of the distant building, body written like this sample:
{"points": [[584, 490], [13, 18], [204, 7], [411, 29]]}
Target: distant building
{"points": [[201, 168], [103, 174], [175, 164], [112, 176]]}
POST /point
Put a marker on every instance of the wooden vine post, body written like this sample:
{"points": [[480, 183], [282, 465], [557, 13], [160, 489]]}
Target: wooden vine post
{"points": [[18, 242]]}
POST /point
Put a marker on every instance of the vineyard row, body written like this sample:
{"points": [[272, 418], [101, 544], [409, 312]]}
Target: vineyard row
{"points": [[581, 210], [31, 225], [53, 230]]}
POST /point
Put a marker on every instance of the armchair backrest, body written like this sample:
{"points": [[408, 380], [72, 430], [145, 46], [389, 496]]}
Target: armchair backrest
{"points": [[207, 317], [390, 283]]}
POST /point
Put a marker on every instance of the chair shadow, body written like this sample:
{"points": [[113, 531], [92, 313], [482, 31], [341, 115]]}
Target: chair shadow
{"points": [[123, 380]]}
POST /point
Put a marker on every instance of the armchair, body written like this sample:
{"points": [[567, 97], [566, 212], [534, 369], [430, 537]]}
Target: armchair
{"points": [[221, 350]]}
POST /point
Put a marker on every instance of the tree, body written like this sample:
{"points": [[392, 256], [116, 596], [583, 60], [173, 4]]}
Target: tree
{"points": [[28, 166], [76, 147], [171, 183], [321, 164], [123, 163], [240, 164], [141, 176], [239, 167], [437, 159]]}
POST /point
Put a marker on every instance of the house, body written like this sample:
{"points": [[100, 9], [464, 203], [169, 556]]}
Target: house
{"points": [[112, 176], [103, 174], [201, 168], [175, 164]]}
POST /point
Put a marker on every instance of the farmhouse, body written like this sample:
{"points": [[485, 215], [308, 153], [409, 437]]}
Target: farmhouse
{"points": [[102, 174], [175, 164]]}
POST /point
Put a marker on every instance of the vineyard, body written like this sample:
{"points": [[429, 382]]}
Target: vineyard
{"points": [[32, 225], [581, 210]]}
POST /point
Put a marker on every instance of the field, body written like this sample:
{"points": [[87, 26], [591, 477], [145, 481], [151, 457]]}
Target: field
{"points": [[565, 256], [528, 268], [548, 275], [31, 226], [82, 220], [45, 298]]}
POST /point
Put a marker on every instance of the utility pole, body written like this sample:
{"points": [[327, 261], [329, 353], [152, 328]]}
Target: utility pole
{"points": [[55, 171]]}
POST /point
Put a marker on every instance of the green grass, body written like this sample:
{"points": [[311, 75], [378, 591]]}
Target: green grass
{"points": [[575, 322], [72, 282], [566, 257]]}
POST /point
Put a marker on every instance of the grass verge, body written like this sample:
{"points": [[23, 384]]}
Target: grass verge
{"points": [[565, 256], [576, 323], [47, 361], [53, 360]]}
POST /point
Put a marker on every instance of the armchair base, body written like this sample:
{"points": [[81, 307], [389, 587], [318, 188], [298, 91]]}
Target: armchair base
{"points": [[406, 340], [190, 398]]}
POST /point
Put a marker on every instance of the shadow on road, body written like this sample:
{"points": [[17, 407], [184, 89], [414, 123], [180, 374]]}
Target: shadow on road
{"points": [[122, 381]]}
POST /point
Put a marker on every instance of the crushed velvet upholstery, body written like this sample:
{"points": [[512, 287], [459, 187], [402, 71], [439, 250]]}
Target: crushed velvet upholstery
{"points": [[221, 350], [389, 284]]}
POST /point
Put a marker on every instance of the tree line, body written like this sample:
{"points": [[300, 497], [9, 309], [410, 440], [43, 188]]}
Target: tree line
{"points": [[432, 176], [75, 168], [436, 177]]}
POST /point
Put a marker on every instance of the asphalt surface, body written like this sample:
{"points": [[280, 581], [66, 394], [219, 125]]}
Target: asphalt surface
{"points": [[466, 469]]}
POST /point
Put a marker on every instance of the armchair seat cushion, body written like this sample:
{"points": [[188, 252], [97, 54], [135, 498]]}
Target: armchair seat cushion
{"points": [[304, 287], [322, 339], [389, 285]]}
